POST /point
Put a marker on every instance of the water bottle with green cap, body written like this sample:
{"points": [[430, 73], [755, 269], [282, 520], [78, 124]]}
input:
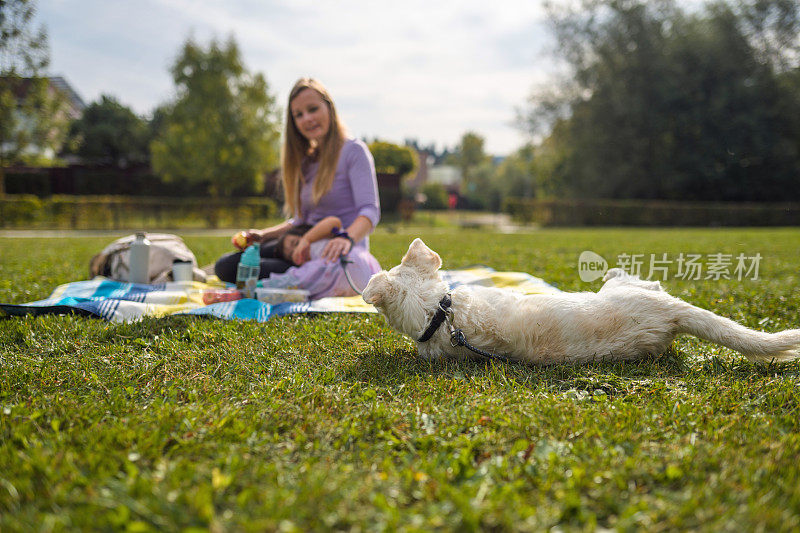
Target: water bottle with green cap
{"points": [[248, 270]]}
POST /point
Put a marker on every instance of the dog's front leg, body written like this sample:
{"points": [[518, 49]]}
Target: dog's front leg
{"points": [[429, 351], [433, 351]]}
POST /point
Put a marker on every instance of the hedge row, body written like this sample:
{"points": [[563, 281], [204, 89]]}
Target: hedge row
{"points": [[650, 213], [124, 212]]}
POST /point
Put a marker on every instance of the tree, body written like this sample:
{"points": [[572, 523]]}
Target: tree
{"points": [[477, 172], [664, 104], [393, 159], [516, 176], [109, 132], [32, 118], [222, 130], [772, 27], [469, 155], [553, 155]]}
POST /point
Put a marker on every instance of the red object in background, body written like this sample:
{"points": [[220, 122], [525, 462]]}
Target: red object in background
{"points": [[452, 200]]}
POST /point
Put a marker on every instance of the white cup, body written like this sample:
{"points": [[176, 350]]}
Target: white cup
{"points": [[182, 271]]}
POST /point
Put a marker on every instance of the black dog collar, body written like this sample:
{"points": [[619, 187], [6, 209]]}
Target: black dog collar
{"points": [[438, 318]]}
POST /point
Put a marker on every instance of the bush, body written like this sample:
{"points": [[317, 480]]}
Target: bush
{"points": [[650, 213], [393, 159], [22, 210], [124, 212], [435, 196]]}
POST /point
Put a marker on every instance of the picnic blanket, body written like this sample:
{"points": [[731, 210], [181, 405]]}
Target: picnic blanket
{"points": [[127, 302]]}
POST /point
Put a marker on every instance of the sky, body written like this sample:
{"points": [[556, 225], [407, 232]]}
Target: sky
{"points": [[429, 70]]}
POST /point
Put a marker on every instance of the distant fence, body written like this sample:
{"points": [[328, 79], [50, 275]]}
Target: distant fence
{"points": [[126, 212], [650, 213], [109, 180], [139, 180], [95, 180], [389, 191]]}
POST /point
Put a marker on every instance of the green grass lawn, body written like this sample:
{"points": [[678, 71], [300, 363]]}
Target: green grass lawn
{"points": [[332, 422]]}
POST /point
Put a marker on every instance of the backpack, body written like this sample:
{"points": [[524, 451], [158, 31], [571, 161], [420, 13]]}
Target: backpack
{"points": [[165, 248]]}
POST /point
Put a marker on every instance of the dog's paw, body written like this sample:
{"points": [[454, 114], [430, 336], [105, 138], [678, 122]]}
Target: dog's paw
{"points": [[614, 273], [427, 352], [652, 285]]}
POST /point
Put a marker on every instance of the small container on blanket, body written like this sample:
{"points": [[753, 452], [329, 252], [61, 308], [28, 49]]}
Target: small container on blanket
{"points": [[221, 295], [278, 296], [182, 270]]}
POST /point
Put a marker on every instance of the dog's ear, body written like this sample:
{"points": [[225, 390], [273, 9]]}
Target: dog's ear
{"points": [[421, 257], [379, 290]]}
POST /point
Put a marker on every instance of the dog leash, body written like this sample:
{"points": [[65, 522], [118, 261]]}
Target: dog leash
{"points": [[343, 260], [444, 313], [457, 338]]}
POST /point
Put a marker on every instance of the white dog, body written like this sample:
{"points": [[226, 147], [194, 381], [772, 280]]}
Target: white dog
{"points": [[627, 319]]}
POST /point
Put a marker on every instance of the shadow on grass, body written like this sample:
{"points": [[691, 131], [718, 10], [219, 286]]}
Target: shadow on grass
{"points": [[614, 378], [382, 369]]}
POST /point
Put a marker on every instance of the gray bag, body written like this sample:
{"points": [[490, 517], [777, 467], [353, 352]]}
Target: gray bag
{"points": [[165, 248]]}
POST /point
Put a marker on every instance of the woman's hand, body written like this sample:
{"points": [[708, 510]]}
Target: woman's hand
{"points": [[243, 239], [302, 252], [336, 247], [254, 236]]}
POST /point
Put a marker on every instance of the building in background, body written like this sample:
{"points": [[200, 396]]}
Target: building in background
{"points": [[75, 104], [62, 103]]}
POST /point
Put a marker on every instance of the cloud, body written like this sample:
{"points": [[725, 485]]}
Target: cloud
{"points": [[430, 70]]}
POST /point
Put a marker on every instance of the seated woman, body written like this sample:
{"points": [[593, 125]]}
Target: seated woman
{"points": [[325, 173]]}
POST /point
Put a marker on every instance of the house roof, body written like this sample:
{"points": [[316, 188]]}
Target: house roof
{"points": [[74, 98], [76, 104]]}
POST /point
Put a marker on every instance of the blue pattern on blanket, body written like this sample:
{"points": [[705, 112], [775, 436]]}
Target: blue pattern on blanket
{"points": [[126, 302]]}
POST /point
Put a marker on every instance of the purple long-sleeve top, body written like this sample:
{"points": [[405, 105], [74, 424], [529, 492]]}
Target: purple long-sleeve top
{"points": [[354, 191]]}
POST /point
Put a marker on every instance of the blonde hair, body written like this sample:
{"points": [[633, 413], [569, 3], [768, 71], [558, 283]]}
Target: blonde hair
{"points": [[296, 147]]}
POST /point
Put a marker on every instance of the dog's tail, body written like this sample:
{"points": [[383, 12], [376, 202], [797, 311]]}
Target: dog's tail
{"points": [[755, 345]]}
